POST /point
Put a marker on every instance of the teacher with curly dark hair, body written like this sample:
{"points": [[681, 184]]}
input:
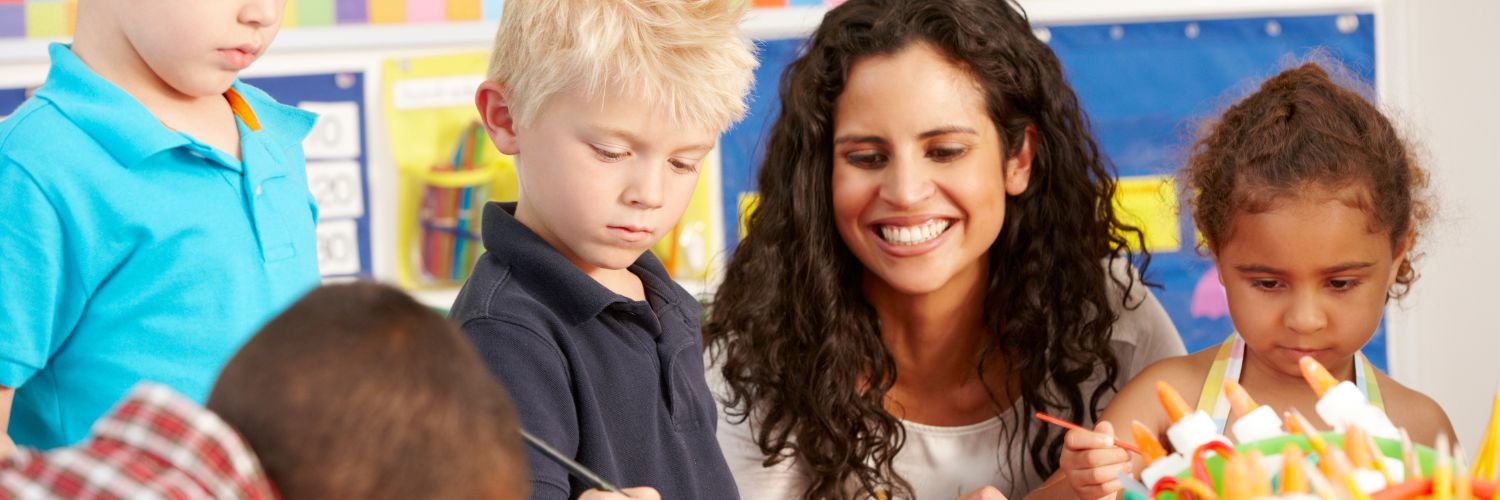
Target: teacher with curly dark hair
{"points": [[935, 257]]}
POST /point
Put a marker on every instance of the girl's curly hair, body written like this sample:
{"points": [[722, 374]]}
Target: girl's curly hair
{"points": [[1302, 130]]}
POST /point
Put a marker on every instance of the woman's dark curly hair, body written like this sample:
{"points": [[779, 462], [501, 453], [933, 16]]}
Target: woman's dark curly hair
{"points": [[799, 345], [1302, 130]]}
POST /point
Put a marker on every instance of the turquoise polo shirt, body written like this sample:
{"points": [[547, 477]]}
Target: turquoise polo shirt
{"points": [[133, 252]]}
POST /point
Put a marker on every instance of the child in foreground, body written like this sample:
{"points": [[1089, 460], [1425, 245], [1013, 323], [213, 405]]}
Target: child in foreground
{"points": [[356, 391]]}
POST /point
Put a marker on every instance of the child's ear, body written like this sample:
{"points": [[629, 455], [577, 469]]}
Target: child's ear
{"points": [[494, 111], [1403, 245], [1018, 167]]}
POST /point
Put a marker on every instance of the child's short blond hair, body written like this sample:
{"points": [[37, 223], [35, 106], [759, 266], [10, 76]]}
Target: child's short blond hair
{"points": [[687, 57]]}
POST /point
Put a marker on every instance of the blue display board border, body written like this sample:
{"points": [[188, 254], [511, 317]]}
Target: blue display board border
{"points": [[342, 87]]}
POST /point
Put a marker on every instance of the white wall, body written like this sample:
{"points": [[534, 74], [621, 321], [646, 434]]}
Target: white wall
{"points": [[1449, 91]]}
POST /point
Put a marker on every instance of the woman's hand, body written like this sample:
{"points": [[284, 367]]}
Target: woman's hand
{"points": [[985, 493], [1092, 463]]}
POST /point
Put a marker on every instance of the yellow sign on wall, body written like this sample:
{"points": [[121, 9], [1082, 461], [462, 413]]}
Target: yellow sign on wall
{"points": [[1150, 203]]}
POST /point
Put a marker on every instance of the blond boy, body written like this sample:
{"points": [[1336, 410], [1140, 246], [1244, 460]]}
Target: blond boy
{"points": [[609, 107]]}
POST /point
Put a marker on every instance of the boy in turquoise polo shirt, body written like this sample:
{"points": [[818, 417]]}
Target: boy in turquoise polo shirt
{"points": [[156, 212]]}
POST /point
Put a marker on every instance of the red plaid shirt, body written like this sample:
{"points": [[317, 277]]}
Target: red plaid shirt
{"points": [[156, 444]]}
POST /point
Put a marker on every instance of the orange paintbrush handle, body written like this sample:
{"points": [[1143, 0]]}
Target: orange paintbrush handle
{"points": [[1072, 426]]}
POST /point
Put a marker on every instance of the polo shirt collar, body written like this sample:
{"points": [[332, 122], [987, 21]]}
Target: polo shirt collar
{"points": [[130, 133], [550, 276], [281, 129], [281, 126], [114, 118]]}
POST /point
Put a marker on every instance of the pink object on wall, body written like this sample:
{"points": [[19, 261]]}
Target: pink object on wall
{"points": [[1209, 300]]}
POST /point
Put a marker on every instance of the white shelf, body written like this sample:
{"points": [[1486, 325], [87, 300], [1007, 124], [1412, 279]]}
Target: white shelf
{"points": [[802, 21], [373, 36], [24, 50], [1065, 12], [701, 290], [437, 298]]}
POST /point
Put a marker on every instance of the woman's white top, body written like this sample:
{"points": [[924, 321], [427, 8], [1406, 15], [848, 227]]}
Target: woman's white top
{"points": [[944, 462]]}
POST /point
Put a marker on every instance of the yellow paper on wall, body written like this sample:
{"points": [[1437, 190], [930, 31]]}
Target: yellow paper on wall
{"points": [[429, 105], [689, 248], [427, 102], [747, 203], [47, 19], [1150, 203]]}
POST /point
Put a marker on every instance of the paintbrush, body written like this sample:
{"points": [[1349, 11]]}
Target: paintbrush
{"points": [[1072, 426], [575, 468]]}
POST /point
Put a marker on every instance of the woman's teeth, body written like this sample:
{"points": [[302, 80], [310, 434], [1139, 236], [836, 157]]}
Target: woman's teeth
{"points": [[913, 235]]}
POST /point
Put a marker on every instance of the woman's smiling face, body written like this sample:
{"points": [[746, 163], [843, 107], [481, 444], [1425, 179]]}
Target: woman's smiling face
{"points": [[920, 176]]}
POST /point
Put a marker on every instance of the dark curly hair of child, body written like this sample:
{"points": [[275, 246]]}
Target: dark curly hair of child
{"points": [[1302, 130]]}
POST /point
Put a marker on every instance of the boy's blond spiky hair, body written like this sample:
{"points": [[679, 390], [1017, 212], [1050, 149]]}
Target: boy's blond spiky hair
{"points": [[686, 57]]}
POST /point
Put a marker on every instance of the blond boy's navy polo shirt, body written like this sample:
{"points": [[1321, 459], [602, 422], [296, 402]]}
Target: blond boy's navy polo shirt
{"points": [[615, 383], [133, 252]]}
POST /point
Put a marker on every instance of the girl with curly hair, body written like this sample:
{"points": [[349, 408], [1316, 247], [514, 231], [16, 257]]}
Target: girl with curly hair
{"points": [[935, 257], [1310, 202]]}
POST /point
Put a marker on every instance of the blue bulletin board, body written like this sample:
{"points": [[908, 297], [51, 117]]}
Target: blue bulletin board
{"points": [[1146, 86], [336, 161], [337, 164], [10, 99]]}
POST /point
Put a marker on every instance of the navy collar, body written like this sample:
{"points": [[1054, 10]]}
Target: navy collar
{"points": [[564, 288]]}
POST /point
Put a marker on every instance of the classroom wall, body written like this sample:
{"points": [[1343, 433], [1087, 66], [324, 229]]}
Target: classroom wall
{"points": [[1445, 342]]}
